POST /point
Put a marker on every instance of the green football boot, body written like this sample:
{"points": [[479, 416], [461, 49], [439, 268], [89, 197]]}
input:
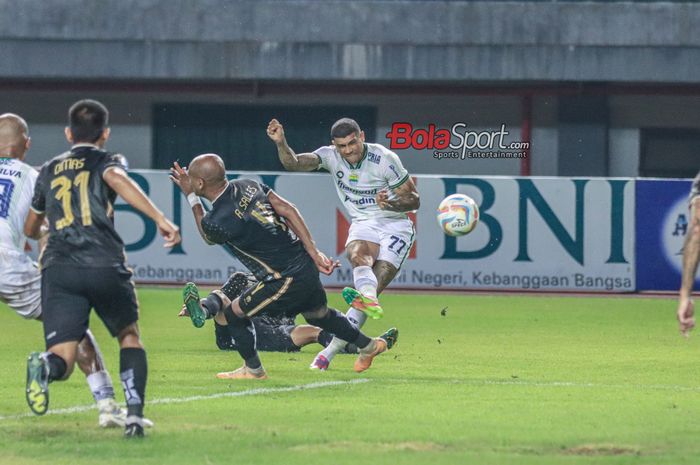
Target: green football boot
{"points": [[190, 297], [391, 337], [363, 303], [37, 392]]}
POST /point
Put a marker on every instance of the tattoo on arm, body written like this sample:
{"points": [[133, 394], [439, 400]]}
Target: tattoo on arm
{"points": [[406, 198], [293, 162]]}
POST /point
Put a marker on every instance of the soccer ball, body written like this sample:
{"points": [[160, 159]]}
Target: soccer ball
{"points": [[458, 214]]}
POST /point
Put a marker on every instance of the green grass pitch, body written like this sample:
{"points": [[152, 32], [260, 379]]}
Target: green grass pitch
{"points": [[496, 380]]}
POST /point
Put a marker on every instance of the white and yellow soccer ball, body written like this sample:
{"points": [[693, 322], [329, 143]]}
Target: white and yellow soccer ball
{"points": [[458, 215]]}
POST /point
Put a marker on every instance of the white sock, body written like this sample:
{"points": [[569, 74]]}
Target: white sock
{"points": [[333, 348], [101, 385], [357, 319], [365, 281]]}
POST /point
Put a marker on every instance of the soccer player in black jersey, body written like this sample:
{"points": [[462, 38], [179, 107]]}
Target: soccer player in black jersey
{"points": [[269, 236], [273, 333], [83, 264]]}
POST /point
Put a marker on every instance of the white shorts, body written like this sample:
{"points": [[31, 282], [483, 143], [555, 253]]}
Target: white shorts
{"points": [[20, 283], [395, 237]]}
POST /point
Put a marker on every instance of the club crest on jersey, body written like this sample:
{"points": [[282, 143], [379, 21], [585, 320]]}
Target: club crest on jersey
{"points": [[354, 178]]}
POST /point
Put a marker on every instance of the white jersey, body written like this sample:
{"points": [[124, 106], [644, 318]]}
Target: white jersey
{"points": [[17, 181], [358, 185]]}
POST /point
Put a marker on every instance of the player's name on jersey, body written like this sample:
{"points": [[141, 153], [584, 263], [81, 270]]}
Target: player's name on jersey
{"points": [[69, 164], [10, 173], [245, 200]]}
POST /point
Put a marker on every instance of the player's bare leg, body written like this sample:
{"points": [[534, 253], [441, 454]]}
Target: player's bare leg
{"points": [[385, 273], [304, 335], [362, 256]]}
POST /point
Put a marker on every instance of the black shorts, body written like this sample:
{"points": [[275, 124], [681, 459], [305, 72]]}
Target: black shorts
{"points": [[268, 337], [291, 295], [68, 293]]}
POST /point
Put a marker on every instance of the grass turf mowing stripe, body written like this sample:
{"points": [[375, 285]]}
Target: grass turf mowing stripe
{"points": [[179, 400]]}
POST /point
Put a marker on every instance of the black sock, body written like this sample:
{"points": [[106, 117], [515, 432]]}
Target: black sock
{"points": [[133, 369], [336, 323], [324, 338], [212, 304], [243, 332], [57, 366], [223, 337], [351, 349]]}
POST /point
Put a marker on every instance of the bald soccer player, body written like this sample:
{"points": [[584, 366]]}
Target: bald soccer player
{"points": [[269, 236]]}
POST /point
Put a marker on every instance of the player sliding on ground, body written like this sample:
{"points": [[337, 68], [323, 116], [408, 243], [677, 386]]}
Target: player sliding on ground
{"points": [[273, 333], [255, 224], [377, 192]]}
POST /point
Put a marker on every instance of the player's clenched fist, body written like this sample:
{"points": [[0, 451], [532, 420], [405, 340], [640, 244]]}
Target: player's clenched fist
{"points": [[275, 131]]}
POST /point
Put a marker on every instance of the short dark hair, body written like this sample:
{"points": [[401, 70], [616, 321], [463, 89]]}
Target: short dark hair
{"points": [[87, 120], [344, 127]]}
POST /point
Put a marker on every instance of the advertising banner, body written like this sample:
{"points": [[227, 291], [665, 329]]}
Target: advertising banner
{"points": [[662, 224], [534, 234]]}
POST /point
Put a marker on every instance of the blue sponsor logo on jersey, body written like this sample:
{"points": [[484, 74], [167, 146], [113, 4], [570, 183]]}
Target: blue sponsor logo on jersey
{"points": [[374, 158], [361, 202], [391, 167]]}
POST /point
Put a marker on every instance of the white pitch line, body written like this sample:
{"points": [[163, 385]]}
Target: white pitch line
{"points": [[662, 387], [179, 400], [556, 384]]}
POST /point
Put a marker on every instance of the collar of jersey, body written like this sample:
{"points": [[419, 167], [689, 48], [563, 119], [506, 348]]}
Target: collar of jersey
{"points": [[84, 144], [220, 194], [359, 163]]}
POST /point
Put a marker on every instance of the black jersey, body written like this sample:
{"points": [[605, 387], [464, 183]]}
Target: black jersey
{"points": [[244, 222], [78, 204]]}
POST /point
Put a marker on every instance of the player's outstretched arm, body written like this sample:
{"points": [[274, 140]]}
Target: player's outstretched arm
{"points": [[691, 256], [121, 183], [290, 160], [297, 224], [405, 198]]}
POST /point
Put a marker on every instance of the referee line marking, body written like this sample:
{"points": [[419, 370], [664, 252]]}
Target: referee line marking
{"points": [[179, 400]]}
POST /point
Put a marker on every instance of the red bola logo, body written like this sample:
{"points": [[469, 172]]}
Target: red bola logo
{"points": [[456, 142], [402, 136]]}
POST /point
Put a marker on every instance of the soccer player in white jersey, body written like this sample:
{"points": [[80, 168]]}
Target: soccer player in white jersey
{"points": [[20, 279], [377, 192]]}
